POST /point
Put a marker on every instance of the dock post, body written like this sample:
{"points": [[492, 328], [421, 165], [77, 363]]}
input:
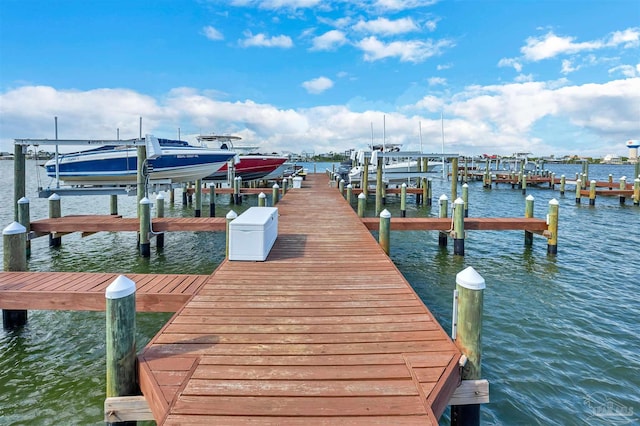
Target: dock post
{"points": [[19, 176], [121, 339], [160, 213], [578, 188], [184, 195], [454, 178], [552, 227], [465, 199], [422, 198], [429, 191], [198, 210], [14, 240], [55, 211], [145, 227], [592, 193], [349, 195], [362, 203], [563, 182], [444, 205], [275, 192], [636, 191], [141, 161], [468, 338], [172, 196], [364, 180], [230, 216], [610, 181], [623, 186], [637, 169], [403, 200], [523, 183], [341, 187], [528, 213], [236, 191], [379, 188], [385, 230], [262, 200], [284, 186], [585, 172], [113, 204], [24, 218], [458, 227], [552, 181], [212, 200]]}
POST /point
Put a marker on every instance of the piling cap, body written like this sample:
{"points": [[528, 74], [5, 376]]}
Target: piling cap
{"points": [[623, 178], [404, 185], [275, 185], [458, 201], [351, 186], [443, 198], [554, 202], [530, 198], [465, 186], [120, 287], [385, 214], [145, 200], [53, 197], [470, 279], [160, 196], [13, 229], [262, 195], [231, 215], [362, 195], [23, 200]]}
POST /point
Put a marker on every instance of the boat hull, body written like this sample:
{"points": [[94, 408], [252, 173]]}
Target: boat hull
{"points": [[118, 166], [250, 167]]}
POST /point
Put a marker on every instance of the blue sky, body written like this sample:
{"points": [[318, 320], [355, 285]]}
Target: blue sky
{"points": [[547, 77]]}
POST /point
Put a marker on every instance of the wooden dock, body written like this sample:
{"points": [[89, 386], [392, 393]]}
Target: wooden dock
{"points": [[327, 330]]}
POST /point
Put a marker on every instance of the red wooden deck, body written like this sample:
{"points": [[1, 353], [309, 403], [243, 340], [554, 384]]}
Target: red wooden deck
{"points": [[326, 331]]}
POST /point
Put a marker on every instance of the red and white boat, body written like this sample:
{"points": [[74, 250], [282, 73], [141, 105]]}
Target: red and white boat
{"points": [[247, 164]]}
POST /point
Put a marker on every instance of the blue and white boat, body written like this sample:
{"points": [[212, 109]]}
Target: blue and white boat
{"points": [[117, 165]]}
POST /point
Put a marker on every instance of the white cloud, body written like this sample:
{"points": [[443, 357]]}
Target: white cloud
{"points": [[510, 62], [435, 81], [626, 70], [406, 51], [567, 67], [211, 33], [398, 5], [278, 4], [318, 85], [262, 40], [386, 27], [329, 40]]}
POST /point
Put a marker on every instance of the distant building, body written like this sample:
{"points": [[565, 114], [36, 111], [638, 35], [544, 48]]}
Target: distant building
{"points": [[611, 159]]}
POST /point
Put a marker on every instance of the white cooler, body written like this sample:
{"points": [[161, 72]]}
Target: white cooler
{"points": [[253, 233]]}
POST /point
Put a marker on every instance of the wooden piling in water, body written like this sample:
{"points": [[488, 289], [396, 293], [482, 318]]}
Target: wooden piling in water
{"points": [[349, 195], [212, 200], [636, 191], [24, 219], [341, 187], [284, 187], [592, 193], [160, 213], [468, 338], [275, 192], [141, 154], [465, 199], [384, 234], [198, 208], [230, 217], [563, 181], [145, 227], [528, 213], [379, 186], [19, 176], [623, 186], [364, 181], [121, 339], [362, 204], [523, 182], [552, 227], [113, 204], [578, 189], [458, 227], [14, 240], [403, 200], [55, 211], [262, 200], [444, 204], [454, 178]]}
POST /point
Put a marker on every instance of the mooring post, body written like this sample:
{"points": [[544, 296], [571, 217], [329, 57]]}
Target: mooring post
{"points": [[212, 200], [184, 195], [362, 204], [585, 172], [637, 169], [578, 189], [14, 245], [55, 211], [458, 227], [349, 195], [636, 191], [145, 227], [160, 213], [198, 209], [379, 188], [444, 205], [429, 191], [563, 181], [552, 181], [275, 191], [284, 186], [403, 200], [623, 186], [385, 230], [610, 181], [465, 198], [236, 190], [172, 196], [364, 180], [528, 213], [121, 339], [421, 198], [341, 187], [592, 193], [552, 227], [230, 216], [523, 183], [454, 178], [19, 176], [113, 204], [24, 218], [468, 338], [262, 200]]}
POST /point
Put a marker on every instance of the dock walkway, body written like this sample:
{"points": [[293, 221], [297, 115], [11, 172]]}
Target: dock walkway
{"points": [[325, 331]]}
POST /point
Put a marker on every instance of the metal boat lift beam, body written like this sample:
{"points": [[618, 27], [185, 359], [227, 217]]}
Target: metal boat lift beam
{"points": [[123, 142]]}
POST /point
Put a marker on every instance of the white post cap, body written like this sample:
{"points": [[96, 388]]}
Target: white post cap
{"points": [[262, 195], [529, 198], [145, 200], [385, 214], [470, 279], [120, 287], [13, 229], [23, 200], [232, 215], [53, 197]]}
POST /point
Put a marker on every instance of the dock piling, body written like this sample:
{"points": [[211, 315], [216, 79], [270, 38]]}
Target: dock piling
{"points": [[113, 204], [275, 192], [14, 240], [528, 213], [24, 218], [362, 204], [212, 200], [444, 205], [636, 191], [230, 217], [563, 181], [145, 227], [552, 227], [198, 209], [465, 198], [349, 195], [385, 230], [578, 189], [458, 227], [121, 339], [262, 200], [403, 200], [468, 338], [160, 213], [623, 186], [55, 211], [592, 193]]}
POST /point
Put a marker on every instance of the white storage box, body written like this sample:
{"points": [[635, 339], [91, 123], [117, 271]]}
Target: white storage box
{"points": [[297, 182], [253, 233]]}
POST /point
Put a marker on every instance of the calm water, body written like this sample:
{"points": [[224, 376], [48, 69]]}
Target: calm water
{"points": [[560, 336]]}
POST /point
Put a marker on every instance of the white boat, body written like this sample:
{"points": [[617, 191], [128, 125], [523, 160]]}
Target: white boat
{"points": [[177, 161]]}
